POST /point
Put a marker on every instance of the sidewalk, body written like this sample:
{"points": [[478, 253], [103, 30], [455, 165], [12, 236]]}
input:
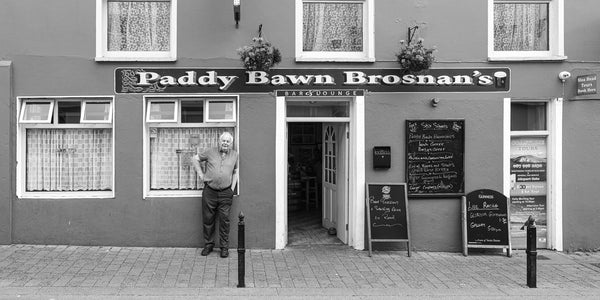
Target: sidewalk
{"points": [[77, 272]]}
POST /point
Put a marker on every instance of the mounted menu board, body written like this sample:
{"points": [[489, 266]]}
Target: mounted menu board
{"points": [[435, 152], [485, 220], [387, 213]]}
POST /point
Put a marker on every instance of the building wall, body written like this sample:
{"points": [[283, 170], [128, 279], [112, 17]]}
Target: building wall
{"points": [[52, 49], [6, 153]]}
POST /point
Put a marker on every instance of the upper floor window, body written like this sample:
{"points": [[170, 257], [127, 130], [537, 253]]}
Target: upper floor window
{"points": [[136, 30], [340, 30], [65, 147], [526, 30], [176, 129]]}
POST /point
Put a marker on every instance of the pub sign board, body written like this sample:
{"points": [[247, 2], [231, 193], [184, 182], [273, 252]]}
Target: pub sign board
{"points": [[486, 220], [435, 154], [232, 80], [387, 214]]}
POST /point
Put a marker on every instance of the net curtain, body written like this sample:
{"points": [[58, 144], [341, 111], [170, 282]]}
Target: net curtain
{"points": [[170, 152], [332, 27], [138, 26], [521, 27], [69, 160]]}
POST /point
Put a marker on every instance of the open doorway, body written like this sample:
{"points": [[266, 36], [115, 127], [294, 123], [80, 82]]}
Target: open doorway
{"points": [[313, 170]]}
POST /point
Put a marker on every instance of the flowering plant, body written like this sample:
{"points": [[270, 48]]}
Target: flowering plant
{"points": [[260, 55], [414, 57]]}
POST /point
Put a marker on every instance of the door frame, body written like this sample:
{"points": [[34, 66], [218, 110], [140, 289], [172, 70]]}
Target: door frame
{"points": [[356, 170], [554, 177]]}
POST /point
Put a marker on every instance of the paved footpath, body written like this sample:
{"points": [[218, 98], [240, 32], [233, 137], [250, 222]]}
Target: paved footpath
{"points": [[318, 272]]}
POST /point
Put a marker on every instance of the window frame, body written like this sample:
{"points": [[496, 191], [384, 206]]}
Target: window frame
{"points": [[207, 118], [21, 168], [368, 53], [555, 34], [147, 192], [82, 120], [102, 53], [175, 111], [25, 103]]}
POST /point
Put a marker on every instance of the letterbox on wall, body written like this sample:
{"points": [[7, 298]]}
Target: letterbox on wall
{"points": [[382, 157]]}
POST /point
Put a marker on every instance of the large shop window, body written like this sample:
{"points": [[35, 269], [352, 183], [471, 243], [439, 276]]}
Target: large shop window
{"points": [[340, 30], [65, 147], [526, 30], [176, 129], [136, 30]]}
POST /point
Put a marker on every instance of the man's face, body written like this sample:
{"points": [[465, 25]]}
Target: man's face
{"points": [[225, 144]]}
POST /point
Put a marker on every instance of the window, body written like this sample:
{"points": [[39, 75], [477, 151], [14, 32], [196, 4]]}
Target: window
{"points": [[136, 30], [528, 116], [340, 30], [176, 129], [526, 30], [65, 147]]}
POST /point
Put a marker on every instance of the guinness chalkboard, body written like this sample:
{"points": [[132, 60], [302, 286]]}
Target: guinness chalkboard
{"points": [[486, 219], [435, 157], [387, 213]]}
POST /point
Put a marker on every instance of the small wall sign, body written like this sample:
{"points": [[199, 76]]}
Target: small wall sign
{"points": [[587, 84]]}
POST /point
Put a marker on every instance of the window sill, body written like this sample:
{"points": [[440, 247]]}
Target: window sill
{"points": [[103, 59], [334, 59], [67, 195], [556, 58], [173, 194]]}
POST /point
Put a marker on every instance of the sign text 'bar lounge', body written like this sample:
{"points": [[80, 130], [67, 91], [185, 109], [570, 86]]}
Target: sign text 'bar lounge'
{"points": [[193, 80]]}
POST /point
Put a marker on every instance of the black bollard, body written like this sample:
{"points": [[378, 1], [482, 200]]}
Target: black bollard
{"points": [[241, 252], [531, 252]]}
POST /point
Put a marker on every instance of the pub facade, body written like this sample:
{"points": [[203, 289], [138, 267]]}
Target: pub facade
{"points": [[106, 101]]}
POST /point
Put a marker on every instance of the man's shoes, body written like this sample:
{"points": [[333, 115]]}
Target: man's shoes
{"points": [[224, 252], [207, 250]]}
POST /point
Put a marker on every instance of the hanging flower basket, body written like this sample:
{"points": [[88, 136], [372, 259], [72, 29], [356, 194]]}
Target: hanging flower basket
{"points": [[415, 57], [260, 55]]}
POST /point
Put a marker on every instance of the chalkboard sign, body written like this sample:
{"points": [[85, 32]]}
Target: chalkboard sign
{"points": [[387, 213], [435, 151], [486, 219]]}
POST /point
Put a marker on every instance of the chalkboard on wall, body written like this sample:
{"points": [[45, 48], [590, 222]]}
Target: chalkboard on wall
{"points": [[486, 220], [387, 213], [435, 152]]}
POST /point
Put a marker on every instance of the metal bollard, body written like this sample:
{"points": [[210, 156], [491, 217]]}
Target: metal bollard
{"points": [[241, 252], [531, 252]]}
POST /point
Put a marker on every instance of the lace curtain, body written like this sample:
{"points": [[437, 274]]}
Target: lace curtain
{"points": [[69, 160], [521, 27], [138, 25], [333, 27], [170, 153]]}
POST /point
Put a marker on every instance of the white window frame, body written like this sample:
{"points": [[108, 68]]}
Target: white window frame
{"points": [[554, 142], [102, 53], [368, 53], [148, 193], [82, 120], [175, 111], [555, 35], [21, 147], [207, 118], [28, 102]]}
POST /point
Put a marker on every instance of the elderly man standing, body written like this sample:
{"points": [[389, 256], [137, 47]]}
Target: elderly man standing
{"points": [[220, 179]]}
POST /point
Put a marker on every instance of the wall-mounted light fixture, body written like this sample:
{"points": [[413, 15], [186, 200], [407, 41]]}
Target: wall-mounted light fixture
{"points": [[236, 12], [435, 102]]}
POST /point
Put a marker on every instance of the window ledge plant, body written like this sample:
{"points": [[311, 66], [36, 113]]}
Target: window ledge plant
{"points": [[259, 55]]}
